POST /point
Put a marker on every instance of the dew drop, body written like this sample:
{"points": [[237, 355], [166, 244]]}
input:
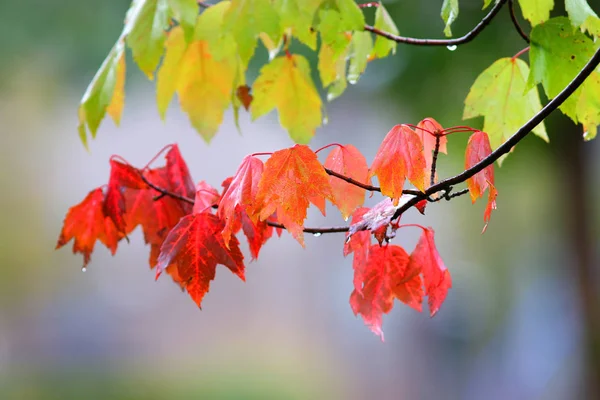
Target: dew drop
{"points": [[317, 234], [83, 269], [325, 121], [451, 48]]}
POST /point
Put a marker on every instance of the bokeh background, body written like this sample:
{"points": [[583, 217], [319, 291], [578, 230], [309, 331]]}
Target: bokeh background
{"points": [[520, 322]]}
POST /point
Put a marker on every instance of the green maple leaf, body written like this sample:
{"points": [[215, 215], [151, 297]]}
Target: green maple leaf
{"points": [[362, 44], [582, 15], [536, 11], [558, 52], [105, 93], [246, 19], [499, 95], [145, 26], [449, 14], [384, 22], [285, 84], [298, 16]]}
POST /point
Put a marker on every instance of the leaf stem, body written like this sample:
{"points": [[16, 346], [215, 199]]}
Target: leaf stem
{"points": [[525, 50], [328, 145], [513, 17]]}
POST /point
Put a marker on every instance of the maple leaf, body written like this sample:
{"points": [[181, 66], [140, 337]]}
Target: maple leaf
{"points": [[449, 14], [383, 276], [499, 95], [332, 69], [156, 214], [86, 223], [436, 277], [377, 217], [179, 174], [478, 148], [558, 52], [358, 243], [536, 11], [121, 176], [348, 161], [203, 83], [428, 125], [195, 246], [104, 93], [285, 84], [399, 157], [297, 16], [206, 197], [240, 193], [385, 23], [246, 19], [582, 15], [291, 179], [362, 45]]}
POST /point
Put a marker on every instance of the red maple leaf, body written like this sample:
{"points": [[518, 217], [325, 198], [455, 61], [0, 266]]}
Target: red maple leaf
{"points": [[239, 193], [358, 243], [399, 157], [194, 247], [206, 197], [384, 278], [121, 176], [425, 259], [179, 175], [86, 223], [479, 148], [156, 214], [348, 161], [291, 179]]}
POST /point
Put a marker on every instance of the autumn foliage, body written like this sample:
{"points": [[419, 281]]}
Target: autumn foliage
{"points": [[201, 51], [191, 228]]}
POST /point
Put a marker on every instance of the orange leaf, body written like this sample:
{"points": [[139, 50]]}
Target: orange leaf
{"points": [[86, 223], [426, 260], [399, 157], [348, 161], [382, 277], [479, 148], [195, 246], [291, 179], [430, 125], [240, 193]]}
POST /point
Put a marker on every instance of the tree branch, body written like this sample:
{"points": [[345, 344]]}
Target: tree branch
{"points": [[442, 42], [513, 140], [513, 17]]}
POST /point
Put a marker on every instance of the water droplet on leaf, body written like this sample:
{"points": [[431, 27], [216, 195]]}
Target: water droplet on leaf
{"points": [[452, 47], [83, 269]]}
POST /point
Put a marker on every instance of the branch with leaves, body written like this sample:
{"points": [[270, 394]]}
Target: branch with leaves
{"points": [[201, 52]]}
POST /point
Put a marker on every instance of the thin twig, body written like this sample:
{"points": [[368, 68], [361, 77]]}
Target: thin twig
{"points": [[318, 231], [436, 151], [442, 42], [512, 141], [513, 17], [165, 192]]}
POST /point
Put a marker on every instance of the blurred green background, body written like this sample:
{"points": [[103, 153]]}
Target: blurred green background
{"points": [[519, 322]]}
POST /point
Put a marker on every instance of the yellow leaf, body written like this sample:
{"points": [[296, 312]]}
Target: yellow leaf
{"points": [[204, 85], [285, 84], [115, 108]]}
